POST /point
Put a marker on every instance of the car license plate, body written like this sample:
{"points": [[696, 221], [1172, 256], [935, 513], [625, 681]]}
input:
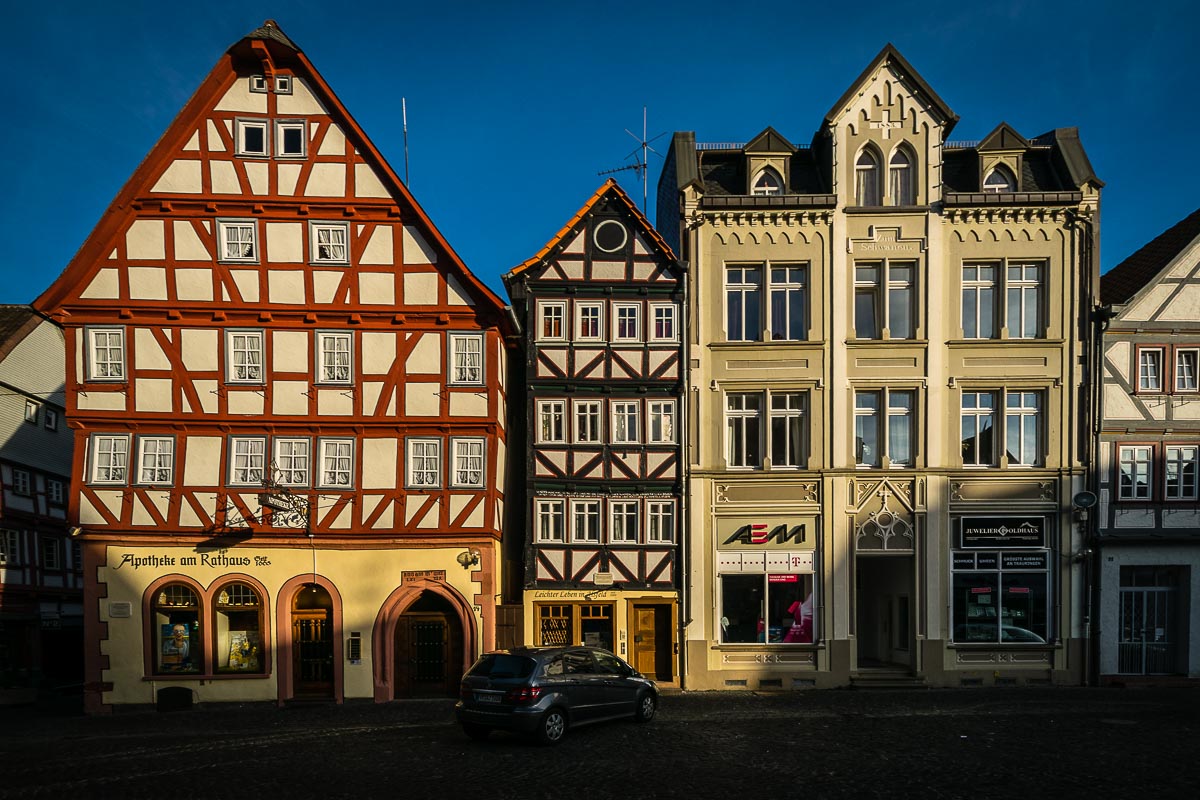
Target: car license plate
{"points": [[487, 698]]}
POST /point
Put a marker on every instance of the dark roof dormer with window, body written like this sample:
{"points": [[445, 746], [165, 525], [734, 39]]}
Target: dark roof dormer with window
{"points": [[766, 172]]}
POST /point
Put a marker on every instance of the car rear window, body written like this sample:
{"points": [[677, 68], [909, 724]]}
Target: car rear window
{"points": [[503, 665]]}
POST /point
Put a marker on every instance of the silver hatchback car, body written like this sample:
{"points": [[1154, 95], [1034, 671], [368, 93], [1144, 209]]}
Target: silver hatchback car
{"points": [[545, 690]]}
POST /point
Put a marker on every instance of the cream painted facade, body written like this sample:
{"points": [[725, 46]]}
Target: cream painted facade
{"points": [[834, 374]]}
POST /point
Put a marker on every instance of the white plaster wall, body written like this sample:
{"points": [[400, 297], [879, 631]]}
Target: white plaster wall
{"points": [[379, 247], [104, 286], [147, 283], [377, 288], [379, 351], [180, 177], [153, 394], [199, 348], [426, 357], [285, 286], [194, 284], [416, 249], [380, 457], [422, 399], [420, 288], [326, 180], [145, 240], [285, 242]]}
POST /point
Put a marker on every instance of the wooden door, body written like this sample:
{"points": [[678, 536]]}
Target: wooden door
{"points": [[312, 653], [428, 655], [645, 640]]}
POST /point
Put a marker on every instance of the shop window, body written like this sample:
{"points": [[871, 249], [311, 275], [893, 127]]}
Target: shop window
{"points": [[555, 625], [767, 608], [175, 630], [238, 629], [885, 300], [1001, 597]]}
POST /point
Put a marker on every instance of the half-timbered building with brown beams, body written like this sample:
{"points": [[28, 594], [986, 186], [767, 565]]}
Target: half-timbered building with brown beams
{"points": [[288, 401], [601, 306]]}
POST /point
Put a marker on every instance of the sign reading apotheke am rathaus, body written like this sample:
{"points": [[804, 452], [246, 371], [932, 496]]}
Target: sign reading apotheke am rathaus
{"points": [[766, 533], [1003, 532]]}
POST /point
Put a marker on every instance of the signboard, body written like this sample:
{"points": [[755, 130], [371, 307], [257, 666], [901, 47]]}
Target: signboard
{"points": [[1034, 561], [766, 533], [999, 532], [602, 579], [774, 561]]}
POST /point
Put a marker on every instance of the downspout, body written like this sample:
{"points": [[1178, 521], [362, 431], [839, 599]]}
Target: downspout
{"points": [[684, 480]]}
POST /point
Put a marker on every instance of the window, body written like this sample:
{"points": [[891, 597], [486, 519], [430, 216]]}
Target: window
{"points": [[1022, 291], [334, 357], [1150, 360], [1180, 472], [787, 429], [290, 138], [895, 441], [106, 354], [627, 322], [467, 470], [979, 301], [283, 84], [902, 185], [1000, 179], [51, 551], [550, 520], [77, 556], [248, 456], [329, 242], [50, 419], [31, 412], [1185, 370], [245, 357], [258, 84], [625, 422], [237, 241], [1136, 467], [978, 428], [251, 136], [866, 179], [551, 420], [1024, 285], [156, 459], [237, 612], [10, 547], [292, 460], [109, 458], [662, 322], [623, 529], [585, 521], [21, 483], [589, 320], [1022, 423], [175, 630], [768, 182], [661, 518], [337, 463], [743, 303], [1001, 597], [789, 303], [743, 437], [660, 422], [884, 300], [466, 358], [57, 491], [587, 421], [425, 463], [768, 608], [553, 320]]}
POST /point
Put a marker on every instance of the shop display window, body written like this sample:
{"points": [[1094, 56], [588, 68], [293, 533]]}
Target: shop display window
{"points": [[767, 608], [994, 604], [238, 629], [176, 630], [576, 623]]}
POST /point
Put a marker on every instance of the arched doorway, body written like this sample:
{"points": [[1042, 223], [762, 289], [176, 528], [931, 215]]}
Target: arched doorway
{"points": [[312, 642], [428, 649]]}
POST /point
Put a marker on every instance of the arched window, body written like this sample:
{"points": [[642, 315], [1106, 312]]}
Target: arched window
{"points": [[866, 179], [238, 629], [767, 182], [178, 642], [901, 173], [1000, 179]]}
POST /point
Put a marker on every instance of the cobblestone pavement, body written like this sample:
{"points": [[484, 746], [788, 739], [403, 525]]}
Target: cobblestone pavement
{"points": [[977, 743]]}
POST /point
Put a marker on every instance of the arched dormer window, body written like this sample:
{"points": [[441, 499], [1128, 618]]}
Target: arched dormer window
{"points": [[866, 179], [902, 185], [1000, 179], [767, 182]]}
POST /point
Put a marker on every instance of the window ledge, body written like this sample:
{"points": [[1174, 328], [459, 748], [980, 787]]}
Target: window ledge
{"points": [[887, 342], [772, 343], [917, 209], [1009, 342]]}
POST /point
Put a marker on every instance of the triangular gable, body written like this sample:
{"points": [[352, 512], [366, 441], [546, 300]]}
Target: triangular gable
{"points": [[890, 56], [769, 141], [1003, 138], [1127, 281]]}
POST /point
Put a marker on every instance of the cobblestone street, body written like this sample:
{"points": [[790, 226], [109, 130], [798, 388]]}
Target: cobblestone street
{"points": [[944, 743]]}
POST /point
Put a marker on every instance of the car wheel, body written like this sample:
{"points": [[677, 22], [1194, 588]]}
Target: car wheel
{"points": [[476, 732], [554, 725], [647, 704]]}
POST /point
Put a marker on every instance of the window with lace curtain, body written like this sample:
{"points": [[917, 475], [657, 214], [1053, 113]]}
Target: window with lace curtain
{"points": [[866, 178], [901, 177]]}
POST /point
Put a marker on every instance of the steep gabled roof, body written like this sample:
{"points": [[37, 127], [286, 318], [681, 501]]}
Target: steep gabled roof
{"points": [[15, 324], [769, 141], [889, 54], [1122, 282], [1070, 150], [1003, 137]]}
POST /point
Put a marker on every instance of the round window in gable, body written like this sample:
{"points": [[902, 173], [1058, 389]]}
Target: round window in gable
{"points": [[610, 236]]}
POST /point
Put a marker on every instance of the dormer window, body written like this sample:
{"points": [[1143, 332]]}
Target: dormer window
{"points": [[903, 188], [1000, 180], [866, 179], [768, 182]]}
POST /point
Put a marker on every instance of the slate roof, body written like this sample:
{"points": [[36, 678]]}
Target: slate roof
{"points": [[15, 323], [723, 173], [270, 30], [1126, 279]]}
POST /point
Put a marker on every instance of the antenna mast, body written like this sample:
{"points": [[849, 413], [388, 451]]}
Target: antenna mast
{"points": [[638, 166], [404, 118]]}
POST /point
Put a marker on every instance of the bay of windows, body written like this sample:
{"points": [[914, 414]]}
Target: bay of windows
{"points": [[885, 300], [1023, 422], [626, 524], [787, 310], [1022, 286]]}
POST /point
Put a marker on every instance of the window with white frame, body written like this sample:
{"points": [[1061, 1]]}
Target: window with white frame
{"points": [[283, 84], [627, 322], [51, 550], [1023, 428], [1150, 369], [238, 241], [660, 421], [290, 138], [1135, 472], [466, 358], [589, 321], [467, 469], [978, 429], [660, 521], [550, 520], [337, 463], [31, 411], [10, 547], [743, 303], [588, 418], [883, 428], [50, 419], [585, 521], [552, 420], [258, 84], [329, 242], [293, 460], [1023, 294], [106, 354], [156, 459], [247, 460], [1185, 370], [21, 482], [902, 185], [244, 356], [1023, 286], [334, 356], [767, 182], [743, 430], [885, 299], [57, 491], [789, 302], [979, 301], [552, 321], [662, 322], [866, 179], [109, 458], [1180, 472], [1000, 179], [425, 463], [623, 522], [251, 138], [625, 422], [787, 429]]}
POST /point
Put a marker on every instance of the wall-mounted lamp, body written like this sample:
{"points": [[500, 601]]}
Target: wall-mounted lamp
{"points": [[74, 531], [468, 558], [1081, 503]]}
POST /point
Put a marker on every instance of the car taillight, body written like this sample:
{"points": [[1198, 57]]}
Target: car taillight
{"points": [[526, 694]]}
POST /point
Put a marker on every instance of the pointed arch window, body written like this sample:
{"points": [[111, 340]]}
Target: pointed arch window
{"points": [[866, 179], [902, 178], [768, 182], [1000, 179]]}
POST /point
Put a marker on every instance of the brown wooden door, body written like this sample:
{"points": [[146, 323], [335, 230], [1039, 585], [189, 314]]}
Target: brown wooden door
{"points": [[428, 655], [645, 640], [312, 653]]}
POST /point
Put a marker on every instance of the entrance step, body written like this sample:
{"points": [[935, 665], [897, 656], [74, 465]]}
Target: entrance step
{"points": [[886, 679]]}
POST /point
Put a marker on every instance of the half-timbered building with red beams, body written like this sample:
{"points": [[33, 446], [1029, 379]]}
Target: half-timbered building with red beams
{"points": [[601, 307], [288, 399]]}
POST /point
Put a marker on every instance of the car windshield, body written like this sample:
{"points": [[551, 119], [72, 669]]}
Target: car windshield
{"points": [[503, 665]]}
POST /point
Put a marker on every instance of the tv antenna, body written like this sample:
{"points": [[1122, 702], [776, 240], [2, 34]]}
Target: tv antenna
{"points": [[638, 166]]}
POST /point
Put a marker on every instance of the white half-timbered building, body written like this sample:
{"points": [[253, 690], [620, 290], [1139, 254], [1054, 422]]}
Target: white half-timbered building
{"points": [[288, 399]]}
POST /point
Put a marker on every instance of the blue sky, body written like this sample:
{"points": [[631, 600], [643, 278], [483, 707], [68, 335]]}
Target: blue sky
{"points": [[514, 108]]}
